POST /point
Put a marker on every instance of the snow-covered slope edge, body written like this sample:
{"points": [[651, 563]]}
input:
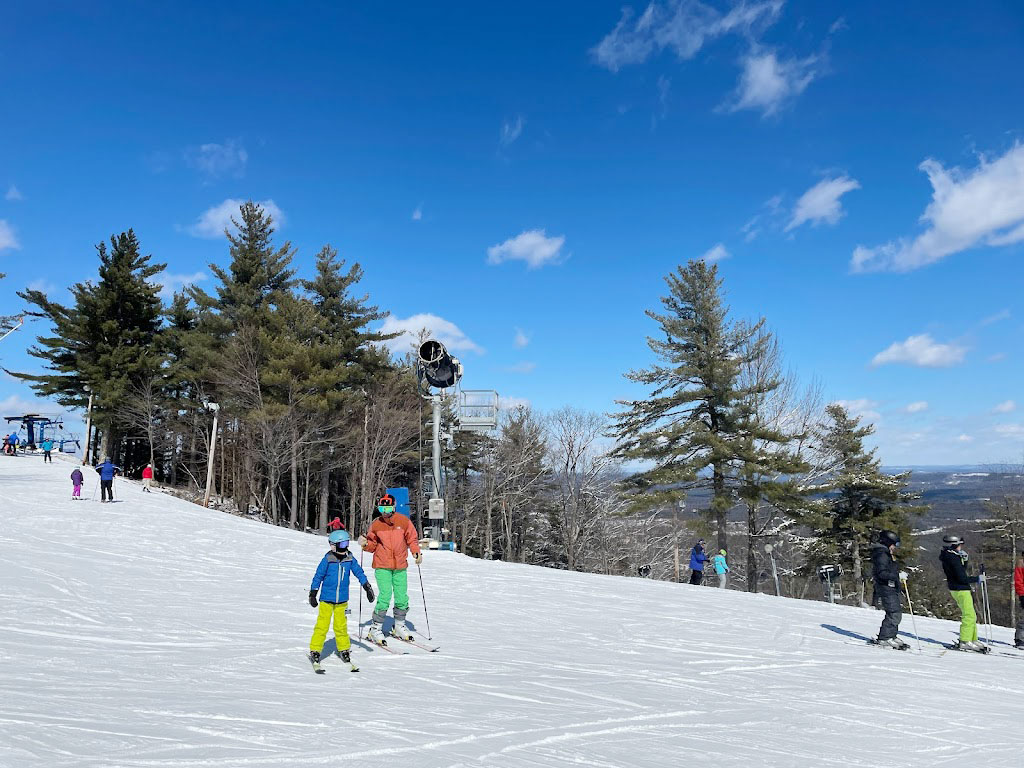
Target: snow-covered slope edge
{"points": [[151, 632]]}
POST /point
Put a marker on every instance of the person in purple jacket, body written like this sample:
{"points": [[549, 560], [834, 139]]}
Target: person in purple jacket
{"points": [[77, 478]]}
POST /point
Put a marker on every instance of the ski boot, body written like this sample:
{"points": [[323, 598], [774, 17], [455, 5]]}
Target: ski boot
{"points": [[314, 659], [1019, 645], [401, 631], [345, 656], [376, 634]]}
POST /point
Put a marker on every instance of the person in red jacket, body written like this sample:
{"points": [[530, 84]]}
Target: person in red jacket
{"points": [[1018, 587], [147, 478], [391, 537]]}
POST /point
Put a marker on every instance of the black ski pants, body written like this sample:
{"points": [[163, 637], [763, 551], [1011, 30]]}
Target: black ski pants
{"points": [[889, 597], [107, 490], [47, 457], [696, 577]]}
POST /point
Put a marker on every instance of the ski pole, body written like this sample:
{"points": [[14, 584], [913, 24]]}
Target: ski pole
{"points": [[94, 489], [423, 592], [986, 605], [910, 604], [359, 626]]}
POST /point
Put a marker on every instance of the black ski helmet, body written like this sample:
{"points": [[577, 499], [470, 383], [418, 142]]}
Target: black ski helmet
{"points": [[889, 538], [949, 541]]}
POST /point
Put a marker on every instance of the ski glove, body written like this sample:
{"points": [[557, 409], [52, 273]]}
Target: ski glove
{"points": [[418, 558], [312, 598], [369, 593], [903, 575]]}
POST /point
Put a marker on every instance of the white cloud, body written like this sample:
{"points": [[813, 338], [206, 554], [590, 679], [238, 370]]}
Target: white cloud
{"points": [[1010, 430], [523, 367], [16, 406], [521, 339], [918, 407], [716, 253], [998, 357], [511, 403], [922, 351], [863, 408], [1006, 407], [768, 82], [213, 221], [445, 331], [821, 203], [217, 160], [13, 193], [681, 26], [417, 214], [1003, 314], [981, 206], [532, 246], [7, 236], [42, 285], [965, 439], [511, 130], [169, 283]]}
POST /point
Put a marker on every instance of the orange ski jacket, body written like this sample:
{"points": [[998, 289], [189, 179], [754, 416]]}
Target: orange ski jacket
{"points": [[390, 541]]}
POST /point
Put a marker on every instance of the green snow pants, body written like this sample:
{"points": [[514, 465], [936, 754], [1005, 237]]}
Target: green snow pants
{"points": [[968, 618], [391, 581]]}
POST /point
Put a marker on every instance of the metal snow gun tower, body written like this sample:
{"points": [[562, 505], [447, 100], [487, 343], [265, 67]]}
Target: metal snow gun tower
{"points": [[438, 374]]}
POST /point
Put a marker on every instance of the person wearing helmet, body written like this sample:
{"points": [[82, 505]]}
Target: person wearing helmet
{"points": [[721, 568], [954, 565], [390, 539], [887, 589], [331, 581]]}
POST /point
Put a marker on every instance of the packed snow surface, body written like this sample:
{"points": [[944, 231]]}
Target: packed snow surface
{"points": [[152, 633]]}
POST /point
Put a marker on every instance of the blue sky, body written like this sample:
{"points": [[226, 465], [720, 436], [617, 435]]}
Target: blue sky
{"points": [[527, 180]]}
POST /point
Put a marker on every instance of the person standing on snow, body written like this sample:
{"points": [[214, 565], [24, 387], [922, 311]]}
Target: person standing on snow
{"points": [[1018, 588], [13, 442], [954, 565], [107, 471], [698, 557], [887, 589], [391, 537], [77, 478], [47, 446], [147, 479], [331, 581], [721, 568]]}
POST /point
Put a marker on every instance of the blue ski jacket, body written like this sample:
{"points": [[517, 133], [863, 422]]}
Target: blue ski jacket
{"points": [[720, 565], [46, 445], [697, 558], [331, 577], [107, 470]]}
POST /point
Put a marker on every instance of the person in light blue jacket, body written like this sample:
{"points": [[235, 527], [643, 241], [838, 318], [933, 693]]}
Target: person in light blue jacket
{"points": [[47, 446], [721, 568], [331, 581]]}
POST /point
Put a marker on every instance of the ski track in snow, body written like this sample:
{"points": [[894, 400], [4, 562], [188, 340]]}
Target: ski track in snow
{"points": [[152, 633]]}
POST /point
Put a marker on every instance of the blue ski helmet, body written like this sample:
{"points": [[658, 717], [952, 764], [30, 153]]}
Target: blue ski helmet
{"points": [[339, 539]]}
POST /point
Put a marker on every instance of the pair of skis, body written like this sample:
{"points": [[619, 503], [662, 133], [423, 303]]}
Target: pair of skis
{"points": [[318, 667]]}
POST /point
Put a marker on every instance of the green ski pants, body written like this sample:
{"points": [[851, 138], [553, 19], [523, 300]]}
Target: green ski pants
{"points": [[968, 618], [391, 582]]}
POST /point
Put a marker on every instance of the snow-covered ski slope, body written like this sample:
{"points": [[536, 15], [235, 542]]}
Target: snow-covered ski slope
{"points": [[151, 633]]}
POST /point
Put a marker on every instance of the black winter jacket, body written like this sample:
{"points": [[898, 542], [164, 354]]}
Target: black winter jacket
{"points": [[884, 567], [956, 572]]}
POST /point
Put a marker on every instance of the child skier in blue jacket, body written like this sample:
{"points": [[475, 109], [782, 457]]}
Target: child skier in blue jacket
{"points": [[331, 581]]}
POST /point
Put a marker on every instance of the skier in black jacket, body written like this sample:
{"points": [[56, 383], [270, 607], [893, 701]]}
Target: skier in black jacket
{"points": [[887, 589], [954, 564]]}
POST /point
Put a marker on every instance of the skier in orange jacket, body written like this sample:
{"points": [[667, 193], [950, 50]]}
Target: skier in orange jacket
{"points": [[391, 537]]}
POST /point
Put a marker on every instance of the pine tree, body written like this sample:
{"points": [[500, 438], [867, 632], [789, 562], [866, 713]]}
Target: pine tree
{"points": [[695, 425], [107, 339], [860, 500]]}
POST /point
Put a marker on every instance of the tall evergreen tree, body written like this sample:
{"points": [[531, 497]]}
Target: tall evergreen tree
{"points": [[695, 426], [860, 500], [107, 339]]}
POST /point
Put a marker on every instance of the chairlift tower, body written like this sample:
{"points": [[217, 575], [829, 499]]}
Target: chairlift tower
{"points": [[438, 374]]}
